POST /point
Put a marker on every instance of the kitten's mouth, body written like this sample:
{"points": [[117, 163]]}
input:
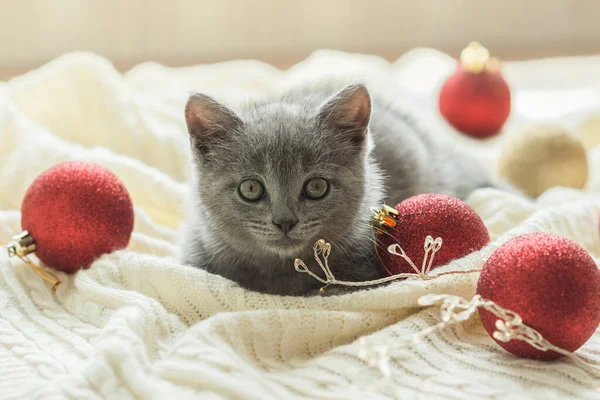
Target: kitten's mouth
{"points": [[287, 241], [288, 245]]}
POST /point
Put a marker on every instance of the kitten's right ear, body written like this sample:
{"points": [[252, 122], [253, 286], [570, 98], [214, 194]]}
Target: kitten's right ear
{"points": [[209, 122], [348, 112]]}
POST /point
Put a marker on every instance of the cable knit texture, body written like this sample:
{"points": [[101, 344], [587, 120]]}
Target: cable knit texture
{"points": [[139, 325]]}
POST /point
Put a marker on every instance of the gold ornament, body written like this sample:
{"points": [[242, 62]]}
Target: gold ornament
{"points": [[544, 156], [589, 132]]}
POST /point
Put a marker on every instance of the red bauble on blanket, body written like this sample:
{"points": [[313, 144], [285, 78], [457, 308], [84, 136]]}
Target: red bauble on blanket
{"points": [[476, 99], [71, 214], [552, 283], [436, 215]]}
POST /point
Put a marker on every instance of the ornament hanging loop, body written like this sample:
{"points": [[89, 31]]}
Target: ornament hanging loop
{"points": [[21, 246]]}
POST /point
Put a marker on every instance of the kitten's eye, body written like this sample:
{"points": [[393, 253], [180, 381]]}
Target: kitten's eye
{"points": [[316, 188], [251, 190]]}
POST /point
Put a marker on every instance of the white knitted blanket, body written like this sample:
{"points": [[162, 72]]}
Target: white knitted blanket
{"points": [[139, 325]]}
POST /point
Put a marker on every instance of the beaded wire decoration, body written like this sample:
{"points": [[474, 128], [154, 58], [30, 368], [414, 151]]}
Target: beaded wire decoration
{"points": [[453, 309]]}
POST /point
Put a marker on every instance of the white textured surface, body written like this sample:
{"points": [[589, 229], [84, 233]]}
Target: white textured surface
{"points": [[138, 325]]}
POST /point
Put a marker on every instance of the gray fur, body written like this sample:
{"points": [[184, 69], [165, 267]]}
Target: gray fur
{"points": [[348, 137]]}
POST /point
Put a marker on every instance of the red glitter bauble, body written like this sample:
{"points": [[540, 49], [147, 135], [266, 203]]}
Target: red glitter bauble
{"points": [[476, 99], [552, 283], [477, 104], [437, 215], [75, 212]]}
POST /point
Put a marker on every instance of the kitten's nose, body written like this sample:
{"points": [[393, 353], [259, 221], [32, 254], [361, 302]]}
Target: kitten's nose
{"points": [[285, 224]]}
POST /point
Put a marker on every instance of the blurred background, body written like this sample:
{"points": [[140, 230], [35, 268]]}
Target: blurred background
{"points": [[185, 32]]}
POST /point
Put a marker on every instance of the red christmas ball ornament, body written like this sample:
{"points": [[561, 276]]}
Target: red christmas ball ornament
{"points": [[437, 215], [73, 213], [552, 283], [475, 99]]}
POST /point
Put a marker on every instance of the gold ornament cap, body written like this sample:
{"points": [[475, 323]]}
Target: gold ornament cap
{"points": [[21, 246], [385, 216], [475, 59]]}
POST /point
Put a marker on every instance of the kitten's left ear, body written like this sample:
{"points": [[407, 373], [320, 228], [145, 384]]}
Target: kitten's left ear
{"points": [[348, 112]]}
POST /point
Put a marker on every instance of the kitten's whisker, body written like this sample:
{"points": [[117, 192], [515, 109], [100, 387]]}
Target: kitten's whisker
{"points": [[249, 223], [309, 232], [379, 244], [353, 247], [260, 227], [311, 225], [266, 234], [348, 249]]}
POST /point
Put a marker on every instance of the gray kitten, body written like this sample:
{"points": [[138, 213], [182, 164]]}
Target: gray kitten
{"points": [[281, 173]]}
